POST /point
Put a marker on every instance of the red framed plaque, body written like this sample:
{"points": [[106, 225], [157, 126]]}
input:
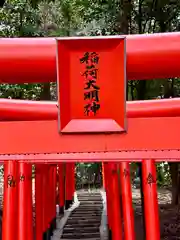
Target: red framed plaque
{"points": [[91, 75]]}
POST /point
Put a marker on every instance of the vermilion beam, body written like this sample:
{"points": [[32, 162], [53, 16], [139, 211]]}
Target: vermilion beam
{"points": [[118, 156], [21, 55], [43, 137], [24, 110]]}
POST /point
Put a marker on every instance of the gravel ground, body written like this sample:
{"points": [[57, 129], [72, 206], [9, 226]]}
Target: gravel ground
{"points": [[169, 216]]}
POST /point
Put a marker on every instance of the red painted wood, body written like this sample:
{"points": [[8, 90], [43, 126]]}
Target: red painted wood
{"points": [[38, 202], [23, 201], [30, 230], [73, 180], [54, 176], [151, 208], [103, 176], [128, 213], [161, 51], [61, 185], [108, 195], [10, 208], [115, 202], [71, 84], [45, 199], [25, 110], [68, 182], [43, 137], [118, 156]]}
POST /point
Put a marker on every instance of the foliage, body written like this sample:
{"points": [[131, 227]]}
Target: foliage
{"points": [[88, 175]]}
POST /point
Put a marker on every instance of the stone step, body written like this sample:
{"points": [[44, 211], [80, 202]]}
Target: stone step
{"points": [[84, 211], [83, 221], [82, 225], [81, 210], [85, 229], [84, 238], [90, 198], [89, 195], [87, 214], [80, 235], [90, 202], [90, 206], [85, 217], [83, 214]]}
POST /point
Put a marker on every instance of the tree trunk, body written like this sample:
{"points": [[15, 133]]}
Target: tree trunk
{"points": [[175, 185], [45, 92]]}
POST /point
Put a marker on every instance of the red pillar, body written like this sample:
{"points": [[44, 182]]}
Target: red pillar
{"points": [[49, 198], [22, 201], [151, 209], [10, 227], [108, 197], [73, 182], [115, 201], [103, 177], [30, 235], [54, 194], [52, 202], [61, 188], [39, 202], [45, 203], [68, 185], [126, 192]]}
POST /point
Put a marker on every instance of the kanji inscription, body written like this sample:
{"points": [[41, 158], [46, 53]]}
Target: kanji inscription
{"points": [[91, 89]]}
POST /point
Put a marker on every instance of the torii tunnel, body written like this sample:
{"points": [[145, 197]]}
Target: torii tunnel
{"points": [[91, 122]]}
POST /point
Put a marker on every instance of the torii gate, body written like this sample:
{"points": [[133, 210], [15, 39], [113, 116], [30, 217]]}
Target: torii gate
{"points": [[92, 125]]}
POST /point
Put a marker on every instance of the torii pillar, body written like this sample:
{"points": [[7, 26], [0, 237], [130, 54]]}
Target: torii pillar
{"points": [[10, 208], [61, 171]]}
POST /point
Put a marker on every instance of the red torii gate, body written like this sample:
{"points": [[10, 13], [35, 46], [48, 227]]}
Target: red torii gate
{"points": [[148, 136]]}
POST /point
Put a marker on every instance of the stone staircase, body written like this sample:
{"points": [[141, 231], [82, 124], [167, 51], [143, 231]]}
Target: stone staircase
{"points": [[84, 221]]}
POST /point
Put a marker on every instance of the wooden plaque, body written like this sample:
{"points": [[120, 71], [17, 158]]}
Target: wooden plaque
{"points": [[91, 75]]}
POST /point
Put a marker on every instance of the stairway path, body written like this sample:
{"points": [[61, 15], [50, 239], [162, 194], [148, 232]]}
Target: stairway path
{"points": [[85, 220]]}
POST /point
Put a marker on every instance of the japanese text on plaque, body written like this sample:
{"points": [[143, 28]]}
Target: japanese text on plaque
{"points": [[91, 89]]}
